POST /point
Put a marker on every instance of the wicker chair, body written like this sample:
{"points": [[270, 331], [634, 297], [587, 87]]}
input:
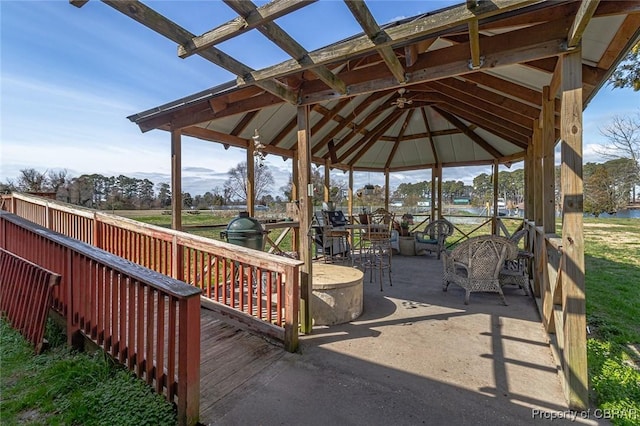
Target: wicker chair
{"points": [[434, 237], [515, 271], [475, 264]]}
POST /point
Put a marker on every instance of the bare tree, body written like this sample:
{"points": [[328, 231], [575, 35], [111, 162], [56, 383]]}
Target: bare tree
{"points": [[623, 136], [236, 185]]}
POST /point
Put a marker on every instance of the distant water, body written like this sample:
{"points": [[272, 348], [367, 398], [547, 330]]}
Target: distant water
{"points": [[621, 214]]}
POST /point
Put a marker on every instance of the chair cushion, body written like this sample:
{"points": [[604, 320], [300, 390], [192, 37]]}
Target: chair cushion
{"points": [[425, 241]]}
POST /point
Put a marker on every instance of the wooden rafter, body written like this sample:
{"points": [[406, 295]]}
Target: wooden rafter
{"points": [[425, 119], [378, 36], [243, 123], [491, 111], [356, 112], [499, 50], [158, 23], [499, 130], [396, 143], [259, 16], [276, 34], [471, 134], [583, 16], [477, 92], [414, 30], [372, 137]]}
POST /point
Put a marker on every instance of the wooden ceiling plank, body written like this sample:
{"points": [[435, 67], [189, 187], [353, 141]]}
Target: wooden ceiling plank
{"points": [[378, 36], [583, 16], [213, 135], [469, 133], [403, 33], [158, 23], [235, 27], [277, 35]]}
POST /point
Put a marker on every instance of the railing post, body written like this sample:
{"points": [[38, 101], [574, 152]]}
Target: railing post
{"points": [[97, 231], [292, 308], [189, 361], [177, 259], [73, 330]]}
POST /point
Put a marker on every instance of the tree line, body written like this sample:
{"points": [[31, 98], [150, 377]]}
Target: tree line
{"points": [[608, 186]]}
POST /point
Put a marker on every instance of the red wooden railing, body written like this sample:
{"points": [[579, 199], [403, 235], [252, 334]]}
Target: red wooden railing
{"points": [[147, 321], [238, 282], [25, 296]]}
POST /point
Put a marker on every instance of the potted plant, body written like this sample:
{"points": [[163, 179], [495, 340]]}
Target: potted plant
{"points": [[405, 222]]}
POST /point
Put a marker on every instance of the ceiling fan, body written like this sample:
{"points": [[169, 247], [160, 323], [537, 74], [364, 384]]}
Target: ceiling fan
{"points": [[401, 101]]}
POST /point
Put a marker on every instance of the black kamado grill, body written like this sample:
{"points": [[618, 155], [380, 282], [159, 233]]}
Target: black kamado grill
{"points": [[245, 231]]}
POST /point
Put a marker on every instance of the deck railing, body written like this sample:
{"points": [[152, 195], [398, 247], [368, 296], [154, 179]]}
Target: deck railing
{"points": [[145, 320], [559, 313], [238, 282]]}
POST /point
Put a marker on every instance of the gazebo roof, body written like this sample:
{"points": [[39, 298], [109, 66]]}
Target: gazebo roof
{"points": [[458, 86]]}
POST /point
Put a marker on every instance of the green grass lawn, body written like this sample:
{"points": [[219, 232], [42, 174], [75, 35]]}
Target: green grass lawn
{"points": [[612, 259], [64, 387]]}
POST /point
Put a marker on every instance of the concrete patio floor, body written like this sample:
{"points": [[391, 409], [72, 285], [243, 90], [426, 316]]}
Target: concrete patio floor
{"points": [[417, 355]]}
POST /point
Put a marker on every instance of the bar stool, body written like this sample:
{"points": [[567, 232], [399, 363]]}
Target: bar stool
{"points": [[378, 251]]}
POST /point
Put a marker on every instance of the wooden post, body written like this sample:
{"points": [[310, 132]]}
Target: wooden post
{"points": [[306, 211], [189, 361], [528, 182], [177, 258], [295, 196], [386, 189], [573, 286], [439, 170], [494, 227], [433, 193], [326, 193], [548, 166], [537, 172], [350, 201], [251, 179]]}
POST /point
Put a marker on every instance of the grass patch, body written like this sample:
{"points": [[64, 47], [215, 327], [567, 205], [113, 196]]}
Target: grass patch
{"points": [[612, 261], [62, 386]]}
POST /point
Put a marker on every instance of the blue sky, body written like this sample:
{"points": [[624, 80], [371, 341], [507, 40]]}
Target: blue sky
{"points": [[70, 77]]}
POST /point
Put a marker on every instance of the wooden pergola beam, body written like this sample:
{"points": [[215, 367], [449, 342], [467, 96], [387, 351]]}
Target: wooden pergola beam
{"points": [[579, 25], [419, 28], [529, 44], [160, 24], [235, 27], [378, 36], [287, 43]]}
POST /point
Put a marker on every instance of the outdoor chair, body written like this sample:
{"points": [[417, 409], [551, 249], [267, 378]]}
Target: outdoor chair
{"points": [[515, 271], [377, 237], [330, 242], [475, 264], [434, 237]]}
